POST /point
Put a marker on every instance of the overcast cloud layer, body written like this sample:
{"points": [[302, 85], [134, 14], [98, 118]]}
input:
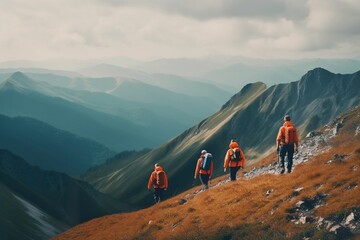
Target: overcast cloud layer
{"points": [[143, 29]]}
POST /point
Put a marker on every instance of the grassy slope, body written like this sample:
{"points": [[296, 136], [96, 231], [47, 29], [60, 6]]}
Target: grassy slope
{"points": [[242, 209]]}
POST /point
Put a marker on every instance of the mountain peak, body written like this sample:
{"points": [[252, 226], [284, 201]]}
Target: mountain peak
{"points": [[18, 81], [318, 71], [317, 78], [18, 75], [248, 90]]}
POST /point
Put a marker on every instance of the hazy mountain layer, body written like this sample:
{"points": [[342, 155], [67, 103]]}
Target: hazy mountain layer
{"points": [[50, 148], [19, 96], [253, 116], [274, 71], [146, 114]]}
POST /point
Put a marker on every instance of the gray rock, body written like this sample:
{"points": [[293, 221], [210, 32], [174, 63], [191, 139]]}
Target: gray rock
{"points": [[350, 218]]}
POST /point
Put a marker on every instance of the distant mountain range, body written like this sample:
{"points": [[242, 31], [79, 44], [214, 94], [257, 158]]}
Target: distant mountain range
{"points": [[37, 204], [253, 116], [275, 71], [135, 115]]}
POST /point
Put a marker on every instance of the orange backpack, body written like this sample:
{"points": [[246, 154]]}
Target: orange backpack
{"points": [[160, 178], [290, 133]]}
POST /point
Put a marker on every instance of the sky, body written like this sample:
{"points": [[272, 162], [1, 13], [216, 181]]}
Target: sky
{"points": [[152, 29]]}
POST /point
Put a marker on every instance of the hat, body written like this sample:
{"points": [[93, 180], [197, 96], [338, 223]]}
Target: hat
{"points": [[203, 151], [156, 165], [287, 117]]}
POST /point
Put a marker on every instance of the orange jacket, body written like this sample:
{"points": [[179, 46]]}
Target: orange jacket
{"points": [[152, 179], [228, 163], [202, 171], [281, 134]]}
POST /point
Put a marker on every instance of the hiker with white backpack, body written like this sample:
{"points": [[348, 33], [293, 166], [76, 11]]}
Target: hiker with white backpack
{"points": [[158, 179], [234, 159], [204, 169]]}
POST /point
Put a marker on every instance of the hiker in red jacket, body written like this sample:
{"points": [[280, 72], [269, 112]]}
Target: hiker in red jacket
{"points": [[287, 142], [234, 158], [158, 179], [204, 168]]}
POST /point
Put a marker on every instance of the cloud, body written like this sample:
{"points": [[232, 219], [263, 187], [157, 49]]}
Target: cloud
{"points": [[210, 9], [41, 29]]}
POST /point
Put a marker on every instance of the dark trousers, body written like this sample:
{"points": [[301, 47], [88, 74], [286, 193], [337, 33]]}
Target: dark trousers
{"points": [[158, 194], [204, 179], [289, 151], [233, 171]]}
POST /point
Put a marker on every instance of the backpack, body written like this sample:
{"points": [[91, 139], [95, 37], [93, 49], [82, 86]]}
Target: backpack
{"points": [[206, 162], [160, 178], [290, 133], [235, 156]]}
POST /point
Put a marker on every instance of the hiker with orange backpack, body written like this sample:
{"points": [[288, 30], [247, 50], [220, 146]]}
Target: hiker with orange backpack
{"points": [[287, 142], [158, 179], [234, 158], [204, 168]]}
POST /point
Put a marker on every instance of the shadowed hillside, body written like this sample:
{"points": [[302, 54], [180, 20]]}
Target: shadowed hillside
{"points": [[50, 148], [253, 116], [43, 203], [318, 200]]}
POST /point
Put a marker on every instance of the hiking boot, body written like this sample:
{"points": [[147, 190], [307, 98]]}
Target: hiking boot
{"points": [[289, 170], [282, 171]]}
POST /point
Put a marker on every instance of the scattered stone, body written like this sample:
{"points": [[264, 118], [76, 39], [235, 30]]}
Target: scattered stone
{"points": [[350, 218], [351, 186], [320, 223], [312, 134], [302, 220], [329, 225], [299, 189], [357, 130], [334, 228], [299, 203], [150, 222], [182, 201], [268, 192], [340, 157]]}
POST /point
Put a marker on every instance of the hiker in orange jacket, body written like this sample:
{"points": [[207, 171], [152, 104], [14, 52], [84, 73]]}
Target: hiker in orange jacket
{"points": [[234, 158], [287, 142], [158, 179], [204, 168]]}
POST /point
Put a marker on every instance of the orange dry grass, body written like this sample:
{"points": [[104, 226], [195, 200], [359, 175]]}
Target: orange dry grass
{"points": [[235, 204]]}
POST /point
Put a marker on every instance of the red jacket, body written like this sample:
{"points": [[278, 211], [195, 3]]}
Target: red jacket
{"points": [[228, 163], [152, 179]]}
